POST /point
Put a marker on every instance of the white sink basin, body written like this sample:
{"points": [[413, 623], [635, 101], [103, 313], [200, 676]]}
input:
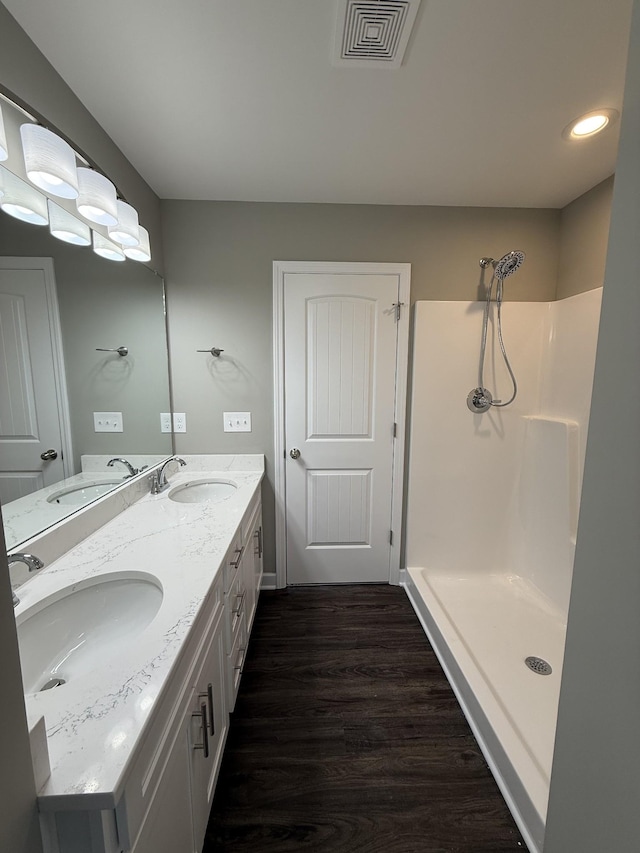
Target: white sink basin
{"points": [[83, 492], [197, 491], [78, 628]]}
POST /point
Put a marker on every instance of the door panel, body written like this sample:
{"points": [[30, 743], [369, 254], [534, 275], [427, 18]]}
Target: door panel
{"points": [[30, 420], [340, 337]]}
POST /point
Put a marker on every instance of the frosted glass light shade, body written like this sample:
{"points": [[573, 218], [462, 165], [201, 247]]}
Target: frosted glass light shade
{"points": [[96, 197], [142, 252], [4, 151], [106, 248], [67, 227], [126, 231], [22, 201], [49, 161]]}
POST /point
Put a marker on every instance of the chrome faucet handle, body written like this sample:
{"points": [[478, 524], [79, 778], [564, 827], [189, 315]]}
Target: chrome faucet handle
{"points": [[159, 480]]}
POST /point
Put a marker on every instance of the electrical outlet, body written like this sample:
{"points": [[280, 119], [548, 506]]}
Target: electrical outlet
{"points": [[107, 422], [179, 422], [165, 421], [237, 421]]}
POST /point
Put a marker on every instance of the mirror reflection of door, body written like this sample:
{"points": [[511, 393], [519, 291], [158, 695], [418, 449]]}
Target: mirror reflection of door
{"points": [[34, 431]]}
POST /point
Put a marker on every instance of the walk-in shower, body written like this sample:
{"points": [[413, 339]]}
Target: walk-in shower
{"points": [[480, 399]]}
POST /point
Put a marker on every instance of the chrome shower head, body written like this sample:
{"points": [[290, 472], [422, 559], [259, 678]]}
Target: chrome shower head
{"points": [[508, 264]]}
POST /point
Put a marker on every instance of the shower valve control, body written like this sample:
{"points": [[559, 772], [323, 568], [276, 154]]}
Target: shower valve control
{"points": [[479, 400]]}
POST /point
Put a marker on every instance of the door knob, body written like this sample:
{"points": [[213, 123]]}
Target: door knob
{"points": [[49, 454], [294, 453]]}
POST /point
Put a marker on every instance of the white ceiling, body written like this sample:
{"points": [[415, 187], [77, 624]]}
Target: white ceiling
{"points": [[238, 100]]}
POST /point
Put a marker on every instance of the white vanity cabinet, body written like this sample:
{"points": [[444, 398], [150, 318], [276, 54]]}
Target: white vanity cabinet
{"points": [[161, 799]]}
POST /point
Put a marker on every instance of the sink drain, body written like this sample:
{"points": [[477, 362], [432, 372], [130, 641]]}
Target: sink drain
{"points": [[538, 665], [53, 682]]}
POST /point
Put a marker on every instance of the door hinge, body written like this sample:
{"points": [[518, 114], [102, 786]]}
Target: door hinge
{"points": [[391, 537], [398, 307], [395, 430]]}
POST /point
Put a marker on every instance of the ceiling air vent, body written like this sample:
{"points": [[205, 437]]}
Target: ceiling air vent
{"points": [[373, 33]]}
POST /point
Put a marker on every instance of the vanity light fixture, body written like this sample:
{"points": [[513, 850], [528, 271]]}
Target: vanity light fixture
{"points": [[142, 252], [49, 160], [67, 227], [127, 230], [4, 151], [97, 197], [22, 201], [590, 123], [106, 248]]}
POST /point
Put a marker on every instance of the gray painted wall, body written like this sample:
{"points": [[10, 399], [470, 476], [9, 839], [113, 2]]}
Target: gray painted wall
{"points": [[26, 73], [584, 236], [595, 782], [218, 261]]}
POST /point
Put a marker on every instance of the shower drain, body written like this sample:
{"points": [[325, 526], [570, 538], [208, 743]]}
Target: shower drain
{"points": [[538, 665]]}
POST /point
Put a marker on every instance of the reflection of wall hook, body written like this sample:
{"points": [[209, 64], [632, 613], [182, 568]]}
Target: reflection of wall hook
{"points": [[122, 351], [215, 351]]}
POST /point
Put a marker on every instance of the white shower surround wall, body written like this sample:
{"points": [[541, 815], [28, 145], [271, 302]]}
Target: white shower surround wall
{"points": [[492, 516]]}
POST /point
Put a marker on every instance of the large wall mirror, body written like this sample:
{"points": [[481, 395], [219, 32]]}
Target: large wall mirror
{"points": [[69, 401]]}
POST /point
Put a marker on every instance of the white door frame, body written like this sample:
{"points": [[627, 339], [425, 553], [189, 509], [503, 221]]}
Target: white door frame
{"points": [[280, 269], [57, 354]]}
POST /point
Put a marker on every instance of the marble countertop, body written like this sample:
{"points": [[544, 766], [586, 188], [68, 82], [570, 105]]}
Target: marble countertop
{"points": [[94, 722]]}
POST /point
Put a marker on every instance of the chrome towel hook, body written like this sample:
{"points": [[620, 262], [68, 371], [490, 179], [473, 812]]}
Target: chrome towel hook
{"points": [[122, 351], [215, 351]]}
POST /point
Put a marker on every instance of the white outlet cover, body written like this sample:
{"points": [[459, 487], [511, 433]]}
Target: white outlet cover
{"points": [[179, 422], [165, 421], [108, 422]]}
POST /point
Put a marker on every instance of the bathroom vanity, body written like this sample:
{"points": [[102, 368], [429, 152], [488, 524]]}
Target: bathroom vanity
{"points": [[135, 734]]}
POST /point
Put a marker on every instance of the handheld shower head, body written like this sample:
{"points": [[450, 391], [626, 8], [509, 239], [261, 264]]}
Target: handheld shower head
{"points": [[508, 264]]}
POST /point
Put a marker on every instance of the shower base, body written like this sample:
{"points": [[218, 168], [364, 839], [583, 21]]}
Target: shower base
{"points": [[482, 628]]}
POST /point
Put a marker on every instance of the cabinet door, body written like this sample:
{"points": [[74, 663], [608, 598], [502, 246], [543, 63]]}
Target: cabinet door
{"points": [[168, 827], [208, 732]]}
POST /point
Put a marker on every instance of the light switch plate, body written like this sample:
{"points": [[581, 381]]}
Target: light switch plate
{"points": [[165, 421], [107, 422], [237, 421], [179, 422]]}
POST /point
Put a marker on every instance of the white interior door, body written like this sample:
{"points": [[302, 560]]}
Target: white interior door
{"points": [[340, 341], [31, 384]]}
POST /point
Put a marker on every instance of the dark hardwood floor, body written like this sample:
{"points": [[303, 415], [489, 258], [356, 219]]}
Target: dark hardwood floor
{"points": [[347, 738]]}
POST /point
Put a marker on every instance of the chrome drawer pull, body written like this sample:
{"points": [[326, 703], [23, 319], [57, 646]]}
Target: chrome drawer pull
{"points": [[241, 652], [237, 562], [205, 732], [241, 596], [212, 722]]}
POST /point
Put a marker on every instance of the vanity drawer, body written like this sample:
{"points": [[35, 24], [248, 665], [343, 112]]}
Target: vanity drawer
{"points": [[232, 561], [234, 610], [235, 662]]}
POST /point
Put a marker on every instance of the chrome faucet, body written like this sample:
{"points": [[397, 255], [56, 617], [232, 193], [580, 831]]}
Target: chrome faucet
{"points": [[132, 471], [32, 563], [159, 480]]}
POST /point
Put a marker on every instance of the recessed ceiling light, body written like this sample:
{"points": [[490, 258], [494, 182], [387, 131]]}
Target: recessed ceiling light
{"points": [[590, 123]]}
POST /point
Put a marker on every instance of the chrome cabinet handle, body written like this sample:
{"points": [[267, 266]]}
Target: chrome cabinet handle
{"points": [[294, 453], [241, 596], [49, 454], [212, 722], [205, 731], [239, 552], [240, 657], [258, 536]]}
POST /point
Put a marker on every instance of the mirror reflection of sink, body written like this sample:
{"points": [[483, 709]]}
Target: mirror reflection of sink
{"points": [[199, 491], [71, 632], [83, 492]]}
